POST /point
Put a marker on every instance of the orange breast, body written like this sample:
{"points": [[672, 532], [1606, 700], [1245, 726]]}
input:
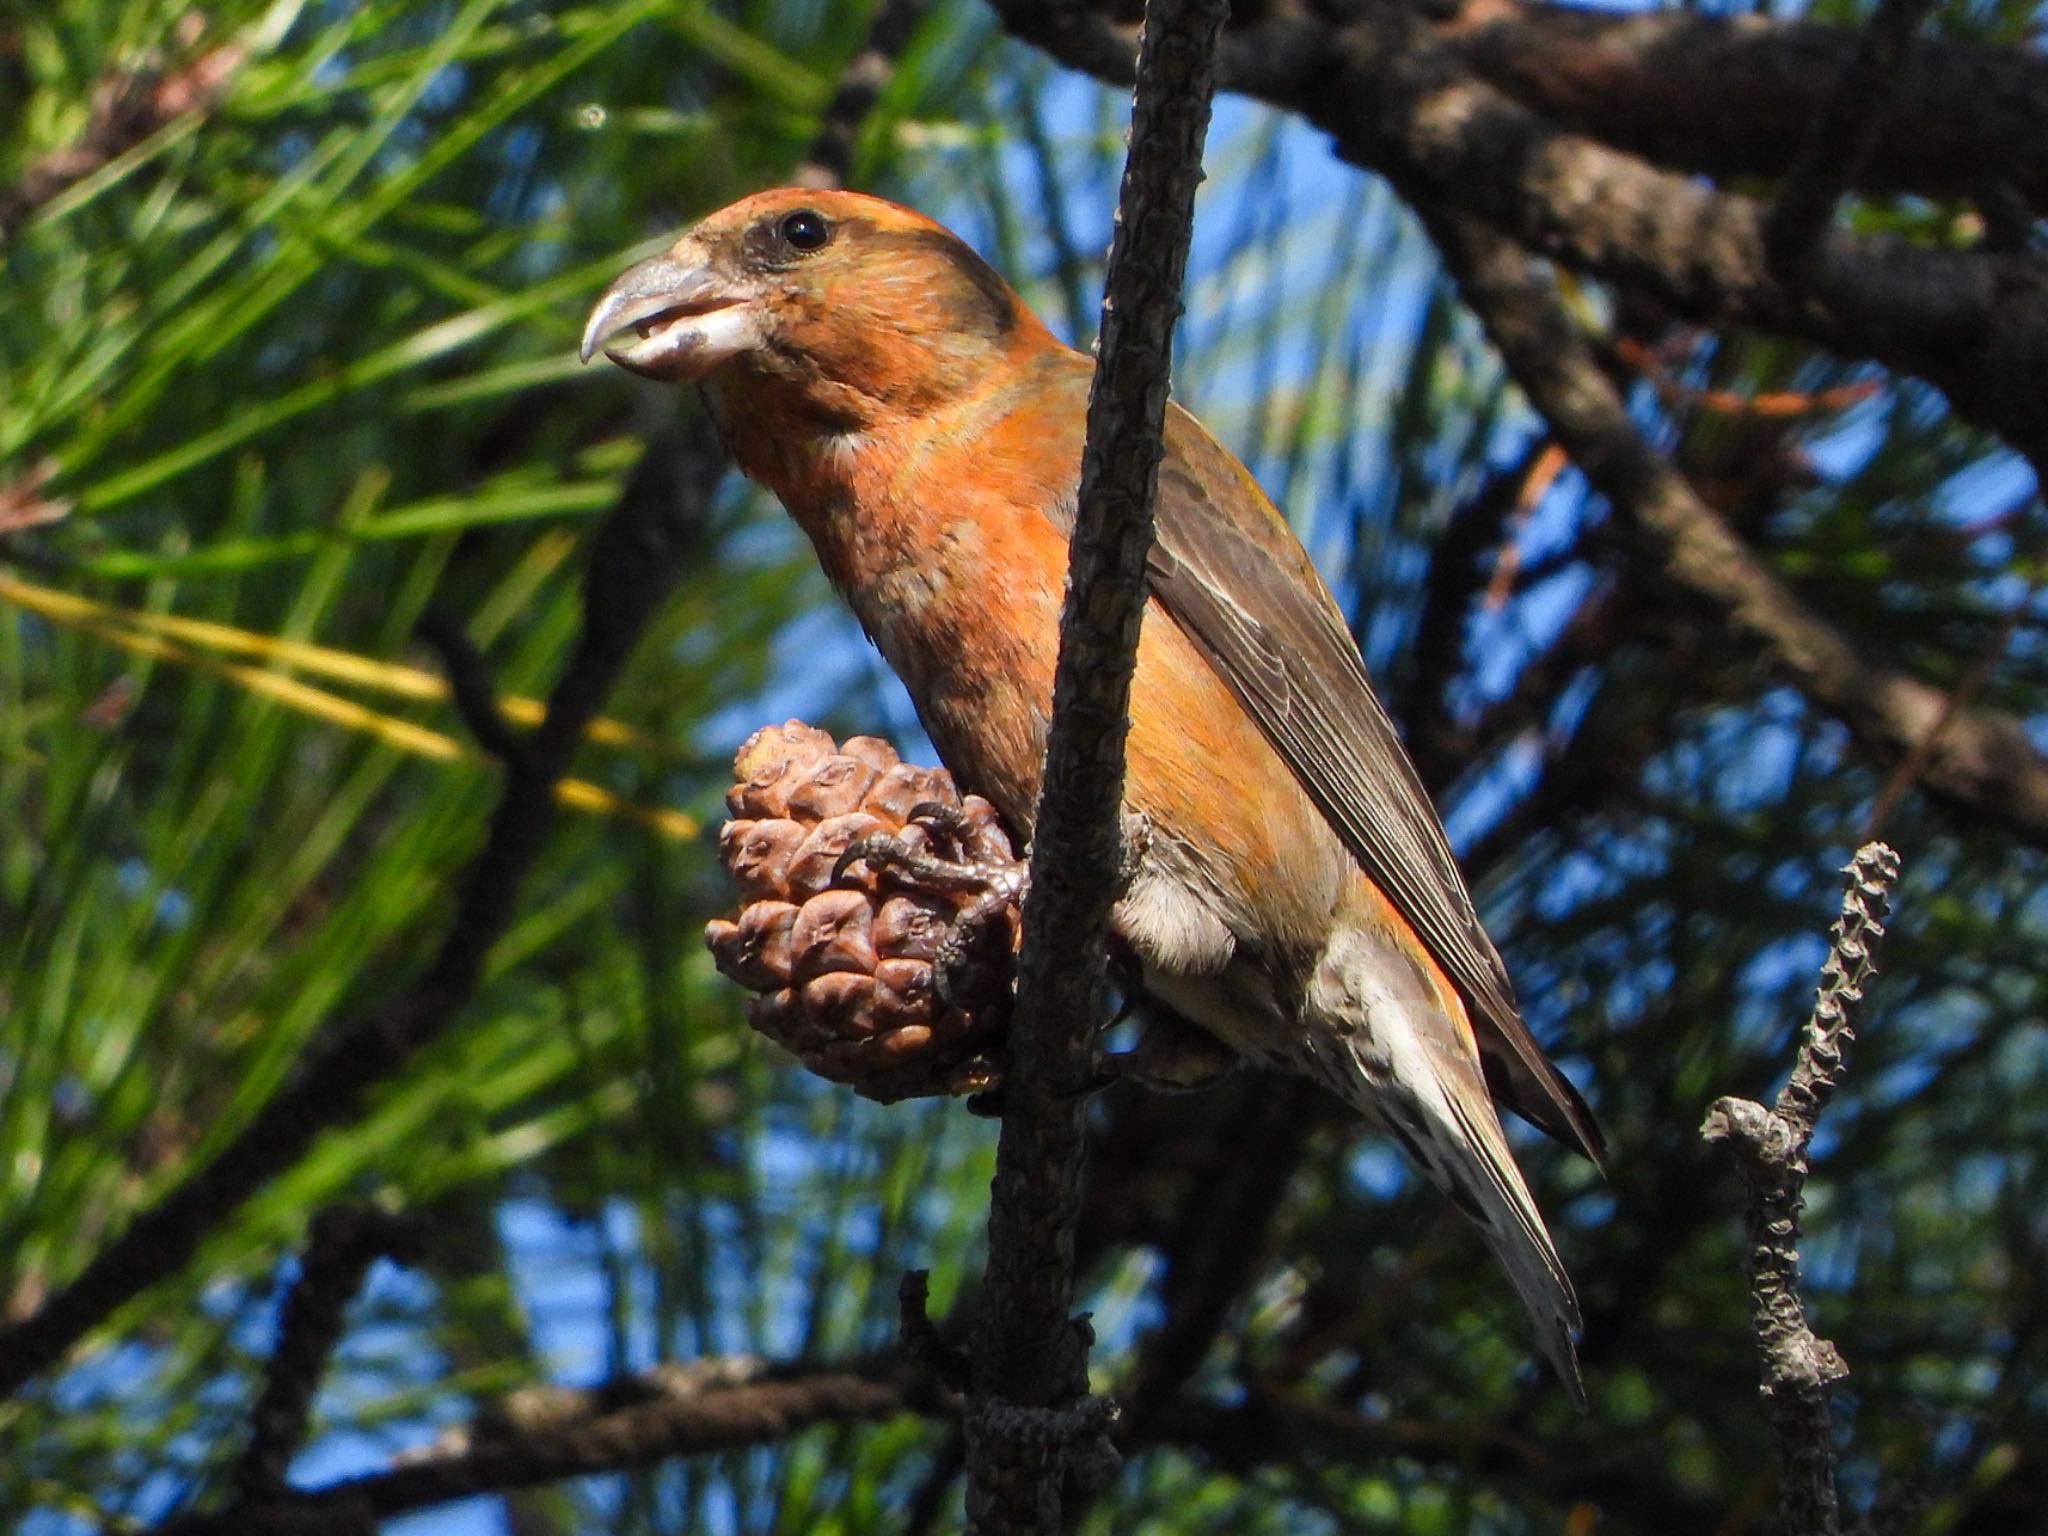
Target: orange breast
{"points": [[939, 538], [975, 634]]}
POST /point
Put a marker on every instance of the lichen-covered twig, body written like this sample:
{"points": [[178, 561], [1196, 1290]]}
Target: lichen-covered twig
{"points": [[1769, 1147]]}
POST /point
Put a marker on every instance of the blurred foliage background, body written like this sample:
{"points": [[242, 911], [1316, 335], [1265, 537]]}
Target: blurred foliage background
{"points": [[294, 369]]}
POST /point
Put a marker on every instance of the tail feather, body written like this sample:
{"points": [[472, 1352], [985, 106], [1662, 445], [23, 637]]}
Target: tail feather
{"points": [[1480, 1164], [1461, 1149], [1405, 1057]]}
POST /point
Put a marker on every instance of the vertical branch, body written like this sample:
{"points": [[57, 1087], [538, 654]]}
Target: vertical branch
{"points": [[1769, 1147], [1030, 1375]]}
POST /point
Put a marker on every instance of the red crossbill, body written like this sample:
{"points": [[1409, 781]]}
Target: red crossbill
{"points": [[1296, 897]]}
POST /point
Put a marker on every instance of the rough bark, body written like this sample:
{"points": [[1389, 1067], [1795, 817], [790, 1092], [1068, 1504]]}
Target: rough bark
{"points": [[1029, 1420]]}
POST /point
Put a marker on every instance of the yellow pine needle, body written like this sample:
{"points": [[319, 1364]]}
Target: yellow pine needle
{"points": [[99, 620], [322, 661]]}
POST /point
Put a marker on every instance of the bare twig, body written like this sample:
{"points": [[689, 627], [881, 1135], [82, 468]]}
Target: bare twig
{"points": [[343, 1244], [921, 1337], [1841, 137], [1029, 1420], [1961, 697], [1769, 1147], [634, 559], [1773, 405]]}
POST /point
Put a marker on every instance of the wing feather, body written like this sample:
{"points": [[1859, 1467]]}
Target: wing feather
{"points": [[1250, 600]]}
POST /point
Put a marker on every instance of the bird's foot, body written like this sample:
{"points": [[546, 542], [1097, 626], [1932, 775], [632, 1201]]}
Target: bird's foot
{"points": [[943, 849]]}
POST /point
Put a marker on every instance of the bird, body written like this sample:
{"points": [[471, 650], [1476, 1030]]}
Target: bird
{"points": [[1294, 894]]}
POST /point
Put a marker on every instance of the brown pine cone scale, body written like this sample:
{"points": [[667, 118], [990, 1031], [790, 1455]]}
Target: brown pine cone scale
{"points": [[843, 964]]}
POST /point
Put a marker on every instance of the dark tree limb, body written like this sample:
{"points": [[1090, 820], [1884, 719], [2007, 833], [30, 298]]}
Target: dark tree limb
{"points": [[1273, 1424], [1029, 1421], [634, 560], [343, 1244], [470, 687], [1399, 102], [1769, 1148], [1723, 94], [1981, 759], [1463, 560], [861, 83], [545, 1434], [1270, 1428], [921, 1337], [1219, 1239]]}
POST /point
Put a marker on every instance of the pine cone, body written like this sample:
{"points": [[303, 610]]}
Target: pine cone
{"points": [[845, 966]]}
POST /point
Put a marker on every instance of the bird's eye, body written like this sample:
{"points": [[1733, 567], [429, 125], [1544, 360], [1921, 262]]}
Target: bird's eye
{"points": [[805, 230]]}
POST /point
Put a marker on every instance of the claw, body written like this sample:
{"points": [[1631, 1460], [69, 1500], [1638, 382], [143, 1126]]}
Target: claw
{"points": [[942, 816], [971, 964], [887, 852]]}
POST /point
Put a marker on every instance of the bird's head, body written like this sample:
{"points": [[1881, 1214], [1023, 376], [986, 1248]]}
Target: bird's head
{"points": [[863, 306]]}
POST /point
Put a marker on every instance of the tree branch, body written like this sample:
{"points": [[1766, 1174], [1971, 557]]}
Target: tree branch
{"points": [[1030, 1356], [1981, 758], [544, 1434], [344, 1242], [1769, 1148], [1722, 95], [1841, 138], [1463, 559], [1400, 103], [1272, 1423], [861, 83], [1219, 1239], [1270, 1427]]}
